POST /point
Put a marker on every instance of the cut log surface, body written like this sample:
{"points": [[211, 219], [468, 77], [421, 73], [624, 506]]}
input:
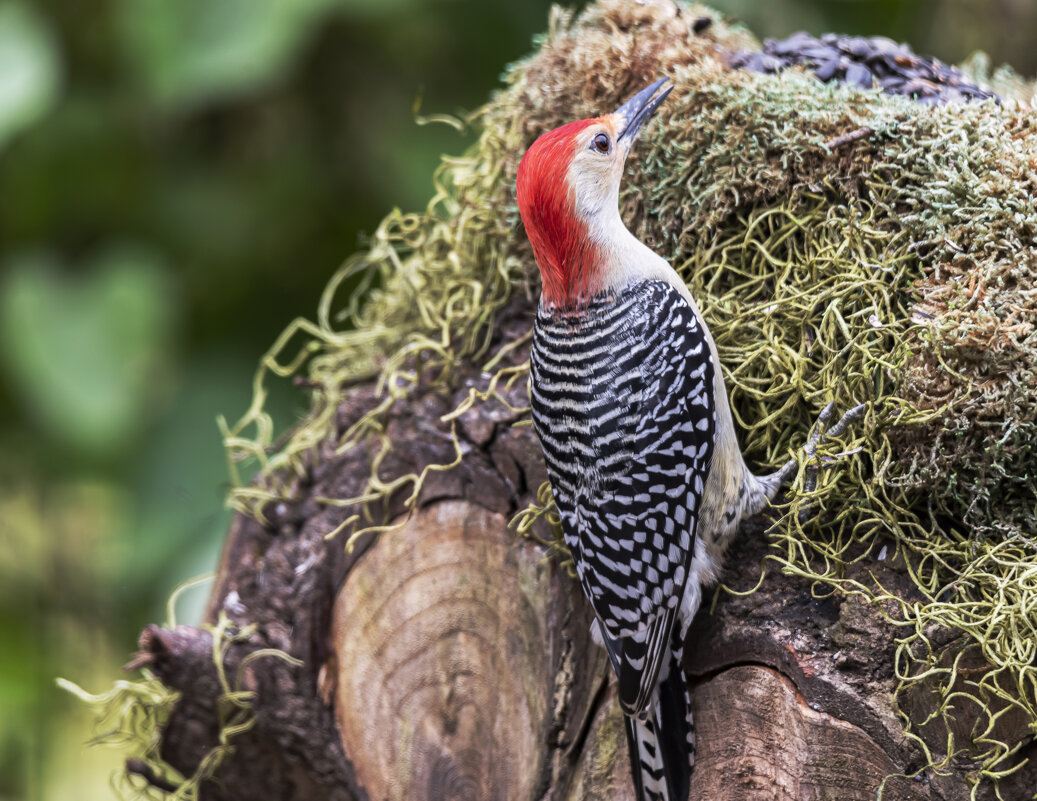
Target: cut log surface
{"points": [[448, 638], [784, 748], [450, 658]]}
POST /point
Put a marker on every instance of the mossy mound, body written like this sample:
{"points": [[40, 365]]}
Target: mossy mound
{"points": [[894, 267]]}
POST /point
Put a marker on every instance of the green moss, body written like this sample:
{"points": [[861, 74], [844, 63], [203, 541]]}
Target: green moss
{"points": [[896, 270], [605, 747], [132, 715]]}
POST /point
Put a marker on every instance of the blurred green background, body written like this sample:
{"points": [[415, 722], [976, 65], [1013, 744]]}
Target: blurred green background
{"points": [[178, 179]]}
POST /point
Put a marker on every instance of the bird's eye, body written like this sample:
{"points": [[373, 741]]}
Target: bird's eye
{"points": [[601, 143]]}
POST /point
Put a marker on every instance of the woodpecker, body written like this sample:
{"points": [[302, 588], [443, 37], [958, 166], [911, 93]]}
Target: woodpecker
{"points": [[629, 404]]}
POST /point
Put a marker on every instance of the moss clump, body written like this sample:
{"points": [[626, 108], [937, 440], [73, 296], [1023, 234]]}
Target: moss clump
{"points": [[896, 270], [130, 717], [132, 714]]}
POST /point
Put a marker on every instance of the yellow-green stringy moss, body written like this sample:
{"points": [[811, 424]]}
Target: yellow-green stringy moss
{"points": [[132, 714], [897, 270]]}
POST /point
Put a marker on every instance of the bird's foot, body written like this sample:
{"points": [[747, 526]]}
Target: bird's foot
{"points": [[820, 431]]}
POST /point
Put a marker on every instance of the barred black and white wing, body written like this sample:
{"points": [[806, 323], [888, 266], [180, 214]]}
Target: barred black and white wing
{"points": [[623, 405]]}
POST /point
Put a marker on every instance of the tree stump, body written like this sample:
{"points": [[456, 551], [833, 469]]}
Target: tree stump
{"points": [[449, 657]]}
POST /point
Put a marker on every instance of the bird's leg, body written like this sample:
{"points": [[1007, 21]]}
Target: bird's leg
{"points": [[835, 431], [772, 482]]}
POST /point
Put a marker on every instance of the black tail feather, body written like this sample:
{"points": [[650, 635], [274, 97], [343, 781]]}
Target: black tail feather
{"points": [[661, 742], [678, 740]]}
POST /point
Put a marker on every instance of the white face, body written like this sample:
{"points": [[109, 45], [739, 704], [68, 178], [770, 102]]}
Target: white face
{"points": [[597, 169]]}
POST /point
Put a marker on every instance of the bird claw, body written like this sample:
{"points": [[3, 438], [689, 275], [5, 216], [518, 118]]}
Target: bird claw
{"points": [[810, 449], [815, 435], [787, 471], [848, 417]]}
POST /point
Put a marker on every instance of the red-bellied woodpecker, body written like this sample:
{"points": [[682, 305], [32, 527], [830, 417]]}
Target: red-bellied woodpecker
{"points": [[629, 403]]}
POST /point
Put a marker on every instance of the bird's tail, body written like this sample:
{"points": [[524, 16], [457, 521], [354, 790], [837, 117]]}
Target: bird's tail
{"points": [[662, 741]]}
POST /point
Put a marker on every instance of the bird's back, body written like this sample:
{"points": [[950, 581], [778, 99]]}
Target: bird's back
{"points": [[621, 405]]}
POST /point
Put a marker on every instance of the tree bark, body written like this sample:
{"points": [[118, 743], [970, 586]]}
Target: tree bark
{"points": [[451, 658]]}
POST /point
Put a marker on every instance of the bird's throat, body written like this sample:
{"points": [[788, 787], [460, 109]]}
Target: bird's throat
{"points": [[574, 283], [572, 268]]}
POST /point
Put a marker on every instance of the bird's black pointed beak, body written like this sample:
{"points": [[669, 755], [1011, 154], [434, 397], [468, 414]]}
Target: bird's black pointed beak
{"points": [[636, 111]]}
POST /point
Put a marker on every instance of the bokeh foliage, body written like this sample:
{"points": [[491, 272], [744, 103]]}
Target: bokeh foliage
{"points": [[177, 180]]}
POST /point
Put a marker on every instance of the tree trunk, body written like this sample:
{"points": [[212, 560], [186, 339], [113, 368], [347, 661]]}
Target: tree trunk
{"points": [[451, 658]]}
